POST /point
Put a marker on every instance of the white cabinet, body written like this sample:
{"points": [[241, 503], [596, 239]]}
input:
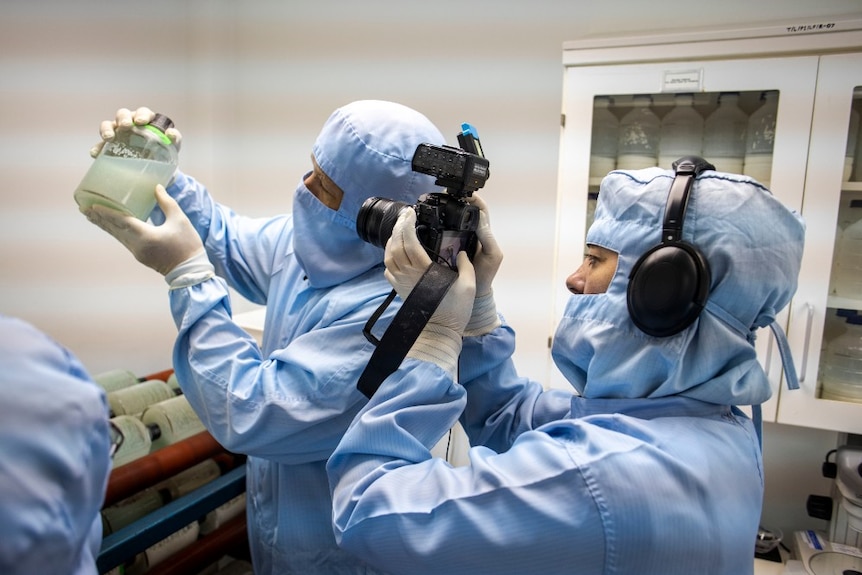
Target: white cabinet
{"points": [[814, 73], [827, 197]]}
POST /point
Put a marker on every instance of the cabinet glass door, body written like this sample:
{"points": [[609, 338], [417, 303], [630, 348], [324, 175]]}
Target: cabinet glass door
{"points": [[825, 330], [630, 116]]}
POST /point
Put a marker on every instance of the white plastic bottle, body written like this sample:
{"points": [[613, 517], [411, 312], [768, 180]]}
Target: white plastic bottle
{"points": [[848, 213], [842, 374], [147, 500], [171, 545], [168, 547], [640, 130], [132, 508], [137, 439], [681, 132], [605, 137], [760, 139], [724, 134], [190, 479], [116, 379], [135, 399], [835, 324], [223, 513], [125, 173], [848, 258], [175, 419]]}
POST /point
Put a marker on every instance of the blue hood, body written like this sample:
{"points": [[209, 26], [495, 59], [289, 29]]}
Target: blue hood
{"points": [[753, 245], [366, 148]]}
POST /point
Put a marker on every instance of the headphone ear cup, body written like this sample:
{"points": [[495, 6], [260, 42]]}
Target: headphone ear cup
{"points": [[667, 288]]}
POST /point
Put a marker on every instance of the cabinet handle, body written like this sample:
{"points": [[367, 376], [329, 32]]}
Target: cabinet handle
{"points": [[809, 311]]}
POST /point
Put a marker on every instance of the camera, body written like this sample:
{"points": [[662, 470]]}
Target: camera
{"points": [[445, 222]]}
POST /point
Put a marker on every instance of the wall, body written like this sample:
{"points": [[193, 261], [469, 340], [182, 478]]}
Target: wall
{"points": [[249, 84]]}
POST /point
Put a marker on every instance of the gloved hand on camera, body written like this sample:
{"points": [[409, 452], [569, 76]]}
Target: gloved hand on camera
{"points": [[486, 262], [406, 261], [124, 120], [174, 249]]}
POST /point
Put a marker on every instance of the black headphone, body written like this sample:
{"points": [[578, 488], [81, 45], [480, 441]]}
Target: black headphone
{"points": [[669, 284]]}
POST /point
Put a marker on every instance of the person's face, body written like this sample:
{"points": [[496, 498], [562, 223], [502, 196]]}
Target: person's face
{"points": [[323, 188], [595, 274]]}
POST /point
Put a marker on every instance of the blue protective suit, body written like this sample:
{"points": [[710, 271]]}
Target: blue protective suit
{"points": [[55, 462], [287, 403], [647, 469]]}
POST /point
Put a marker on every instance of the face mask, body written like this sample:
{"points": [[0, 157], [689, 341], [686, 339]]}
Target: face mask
{"points": [[326, 243]]}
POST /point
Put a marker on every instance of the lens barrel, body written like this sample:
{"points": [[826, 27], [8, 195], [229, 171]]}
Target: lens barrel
{"points": [[376, 219]]}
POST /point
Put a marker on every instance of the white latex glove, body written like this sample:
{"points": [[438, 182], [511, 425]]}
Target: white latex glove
{"points": [[174, 249], [486, 262], [406, 262], [124, 120]]}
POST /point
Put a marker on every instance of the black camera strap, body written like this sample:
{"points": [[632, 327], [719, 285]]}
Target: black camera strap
{"points": [[406, 326]]}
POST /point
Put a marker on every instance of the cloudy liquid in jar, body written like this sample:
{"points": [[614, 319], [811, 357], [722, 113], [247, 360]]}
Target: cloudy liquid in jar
{"points": [[125, 184]]}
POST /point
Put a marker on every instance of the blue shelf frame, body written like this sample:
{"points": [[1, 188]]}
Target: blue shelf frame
{"points": [[147, 531]]}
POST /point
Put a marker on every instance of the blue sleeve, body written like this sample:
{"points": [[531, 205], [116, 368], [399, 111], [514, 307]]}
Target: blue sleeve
{"points": [[291, 407], [55, 460], [241, 249], [501, 405], [396, 506]]}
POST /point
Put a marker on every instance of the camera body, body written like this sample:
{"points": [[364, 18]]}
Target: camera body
{"points": [[445, 225], [445, 222]]}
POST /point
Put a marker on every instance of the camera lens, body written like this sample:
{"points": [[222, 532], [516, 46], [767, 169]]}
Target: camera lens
{"points": [[376, 219]]}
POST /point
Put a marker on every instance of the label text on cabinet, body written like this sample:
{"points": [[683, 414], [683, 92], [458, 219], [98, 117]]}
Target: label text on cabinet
{"points": [[820, 27]]}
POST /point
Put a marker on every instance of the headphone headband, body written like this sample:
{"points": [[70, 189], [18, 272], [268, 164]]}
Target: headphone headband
{"points": [[669, 284], [687, 169]]}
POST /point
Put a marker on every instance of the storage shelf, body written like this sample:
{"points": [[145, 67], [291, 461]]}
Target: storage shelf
{"points": [[838, 302]]}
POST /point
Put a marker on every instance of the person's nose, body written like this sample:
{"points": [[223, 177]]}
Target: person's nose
{"points": [[575, 282]]}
